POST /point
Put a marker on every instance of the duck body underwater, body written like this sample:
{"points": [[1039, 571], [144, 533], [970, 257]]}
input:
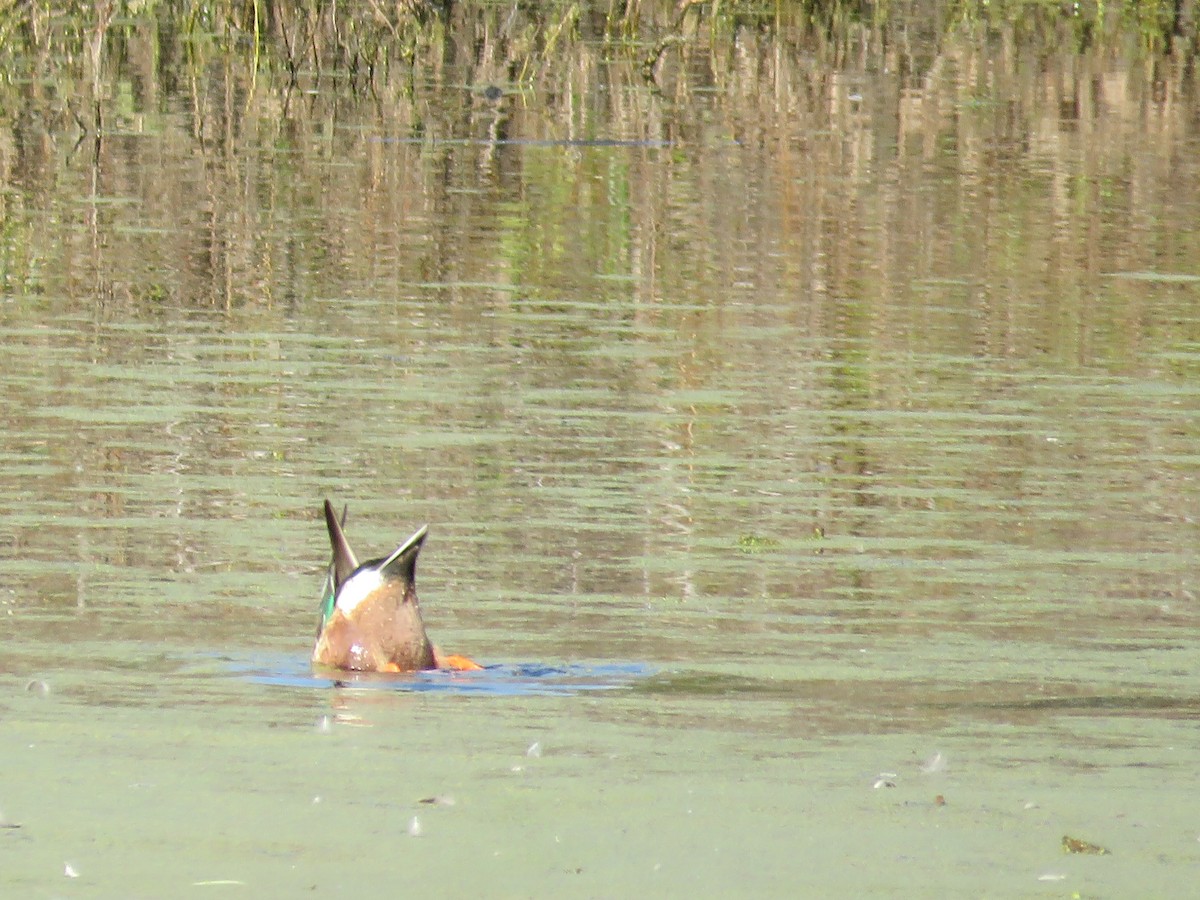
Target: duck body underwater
{"points": [[370, 616]]}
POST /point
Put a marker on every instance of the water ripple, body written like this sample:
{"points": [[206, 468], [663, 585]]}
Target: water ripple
{"points": [[524, 679]]}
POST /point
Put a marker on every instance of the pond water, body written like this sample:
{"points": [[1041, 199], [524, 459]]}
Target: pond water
{"points": [[809, 447]]}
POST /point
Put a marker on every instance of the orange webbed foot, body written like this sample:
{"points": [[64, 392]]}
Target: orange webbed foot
{"points": [[457, 663]]}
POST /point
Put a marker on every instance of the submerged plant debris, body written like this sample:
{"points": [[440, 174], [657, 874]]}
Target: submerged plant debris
{"points": [[1075, 845]]}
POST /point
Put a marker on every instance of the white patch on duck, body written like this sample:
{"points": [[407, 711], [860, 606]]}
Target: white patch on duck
{"points": [[357, 588]]}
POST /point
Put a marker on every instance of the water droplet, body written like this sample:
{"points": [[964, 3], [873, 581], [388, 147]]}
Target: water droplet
{"points": [[324, 725], [535, 750], [935, 763], [414, 827], [70, 871]]}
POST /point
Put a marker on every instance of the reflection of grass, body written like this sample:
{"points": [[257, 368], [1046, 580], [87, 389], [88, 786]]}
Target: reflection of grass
{"points": [[979, 102]]}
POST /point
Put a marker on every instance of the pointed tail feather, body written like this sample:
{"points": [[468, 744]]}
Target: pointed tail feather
{"points": [[344, 560], [403, 562], [342, 563]]}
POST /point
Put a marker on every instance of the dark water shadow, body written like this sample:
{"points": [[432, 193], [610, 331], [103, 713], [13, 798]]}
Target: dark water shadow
{"points": [[502, 679]]}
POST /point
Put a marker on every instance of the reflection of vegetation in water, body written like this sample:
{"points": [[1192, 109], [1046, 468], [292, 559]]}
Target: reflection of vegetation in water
{"points": [[835, 99]]}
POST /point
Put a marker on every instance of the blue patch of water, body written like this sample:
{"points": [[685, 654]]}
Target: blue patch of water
{"points": [[502, 679]]}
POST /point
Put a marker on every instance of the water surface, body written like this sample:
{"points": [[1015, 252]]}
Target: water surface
{"points": [[809, 452]]}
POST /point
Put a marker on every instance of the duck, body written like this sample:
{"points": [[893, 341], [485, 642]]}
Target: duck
{"points": [[370, 618]]}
